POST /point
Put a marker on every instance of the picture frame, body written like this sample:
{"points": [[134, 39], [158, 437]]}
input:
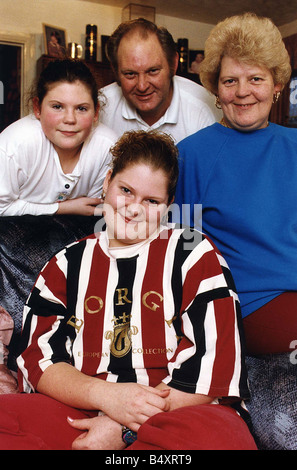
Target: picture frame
{"points": [[55, 41], [195, 57]]}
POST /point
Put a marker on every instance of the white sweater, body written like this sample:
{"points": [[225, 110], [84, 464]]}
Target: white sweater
{"points": [[31, 178]]}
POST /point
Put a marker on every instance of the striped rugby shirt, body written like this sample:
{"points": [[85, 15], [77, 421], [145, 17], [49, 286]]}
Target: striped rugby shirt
{"points": [[167, 313]]}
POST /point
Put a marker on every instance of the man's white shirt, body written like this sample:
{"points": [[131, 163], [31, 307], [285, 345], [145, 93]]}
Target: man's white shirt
{"points": [[192, 108]]}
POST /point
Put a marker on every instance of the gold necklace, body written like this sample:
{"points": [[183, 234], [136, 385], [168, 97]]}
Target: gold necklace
{"points": [[223, 122]]}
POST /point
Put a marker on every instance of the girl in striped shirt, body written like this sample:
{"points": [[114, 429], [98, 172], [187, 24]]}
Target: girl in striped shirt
{"points": [[132, 336]]}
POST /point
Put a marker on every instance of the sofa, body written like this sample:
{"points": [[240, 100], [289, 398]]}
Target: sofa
{"points": [[28, 242]]}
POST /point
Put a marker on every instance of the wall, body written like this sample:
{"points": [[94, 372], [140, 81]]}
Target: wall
{"points": [[21, 20], [27, 16], [288, 29]]}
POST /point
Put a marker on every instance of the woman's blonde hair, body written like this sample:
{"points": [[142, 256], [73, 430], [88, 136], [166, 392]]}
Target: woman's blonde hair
{"points": [[248, 38]]}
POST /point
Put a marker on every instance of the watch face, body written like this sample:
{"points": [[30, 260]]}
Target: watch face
{"points": [[128, 436]]}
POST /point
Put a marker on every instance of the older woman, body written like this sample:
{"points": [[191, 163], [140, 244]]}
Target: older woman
{"points": [[243, 171]]}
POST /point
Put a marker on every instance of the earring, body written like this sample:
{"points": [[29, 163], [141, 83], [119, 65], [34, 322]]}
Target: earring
{"points": [[103, 195], [217, 103], [275, 97]]}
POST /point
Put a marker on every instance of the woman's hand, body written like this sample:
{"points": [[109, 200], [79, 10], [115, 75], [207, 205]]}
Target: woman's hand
{"points": [[100, 433], [132, 404], [81, 206], [129, 404]]}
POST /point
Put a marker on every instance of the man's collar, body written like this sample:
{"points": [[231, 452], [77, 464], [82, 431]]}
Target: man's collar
{"points": [[170, 116]]}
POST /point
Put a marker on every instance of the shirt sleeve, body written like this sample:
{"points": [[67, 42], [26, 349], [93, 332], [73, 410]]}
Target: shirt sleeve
{"points": [[97, 158], [12, 176], [187, 208], [45, 337], [209, 359], [96, 188]]}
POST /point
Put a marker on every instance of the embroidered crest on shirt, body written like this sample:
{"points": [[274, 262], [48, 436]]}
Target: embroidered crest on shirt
{"points": [[121, 335]]}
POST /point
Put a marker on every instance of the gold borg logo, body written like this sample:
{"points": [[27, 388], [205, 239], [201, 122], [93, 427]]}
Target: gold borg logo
{"points": [[97, 302], [121, 336]]}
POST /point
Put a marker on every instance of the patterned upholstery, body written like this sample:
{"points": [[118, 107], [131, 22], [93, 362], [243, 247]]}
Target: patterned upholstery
{"points": [[273, 403]]}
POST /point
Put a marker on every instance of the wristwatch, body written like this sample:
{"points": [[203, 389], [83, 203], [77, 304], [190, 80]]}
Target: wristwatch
{"points": [[128, 436]]}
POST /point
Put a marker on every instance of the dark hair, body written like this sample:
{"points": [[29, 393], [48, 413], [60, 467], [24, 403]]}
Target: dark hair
{"points": [[65, 70], [144, 27], [154, 148]]}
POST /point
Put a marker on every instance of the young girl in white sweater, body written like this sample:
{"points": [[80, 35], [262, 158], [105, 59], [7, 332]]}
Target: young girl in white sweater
{"points": [[55, 159]]}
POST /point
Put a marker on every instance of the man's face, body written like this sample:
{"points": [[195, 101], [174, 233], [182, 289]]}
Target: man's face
{"points": [[144, 76]]}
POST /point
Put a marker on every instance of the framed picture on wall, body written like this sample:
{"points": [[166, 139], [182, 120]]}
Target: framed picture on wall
{"points": [[195, 59], [54, 41]]}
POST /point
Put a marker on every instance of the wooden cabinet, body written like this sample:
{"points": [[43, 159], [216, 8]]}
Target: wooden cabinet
{"points": [[102, 71]]}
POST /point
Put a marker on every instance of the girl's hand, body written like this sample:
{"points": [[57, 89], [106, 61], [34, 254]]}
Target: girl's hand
{"points": [[81, 206], [132, 404], [100, 433]]}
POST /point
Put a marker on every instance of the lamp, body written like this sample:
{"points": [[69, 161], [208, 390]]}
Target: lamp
{"points": [[183, 50], [91, 42]]}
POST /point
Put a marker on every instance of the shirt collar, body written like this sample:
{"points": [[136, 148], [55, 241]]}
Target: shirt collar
{"points": [[170, 116]]}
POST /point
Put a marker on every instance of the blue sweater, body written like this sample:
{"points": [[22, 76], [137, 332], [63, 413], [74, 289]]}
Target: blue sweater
{"points": [[247, 185]]}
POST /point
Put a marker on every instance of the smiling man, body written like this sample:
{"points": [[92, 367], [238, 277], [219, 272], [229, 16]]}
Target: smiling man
{"points": [[148, 94]]}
